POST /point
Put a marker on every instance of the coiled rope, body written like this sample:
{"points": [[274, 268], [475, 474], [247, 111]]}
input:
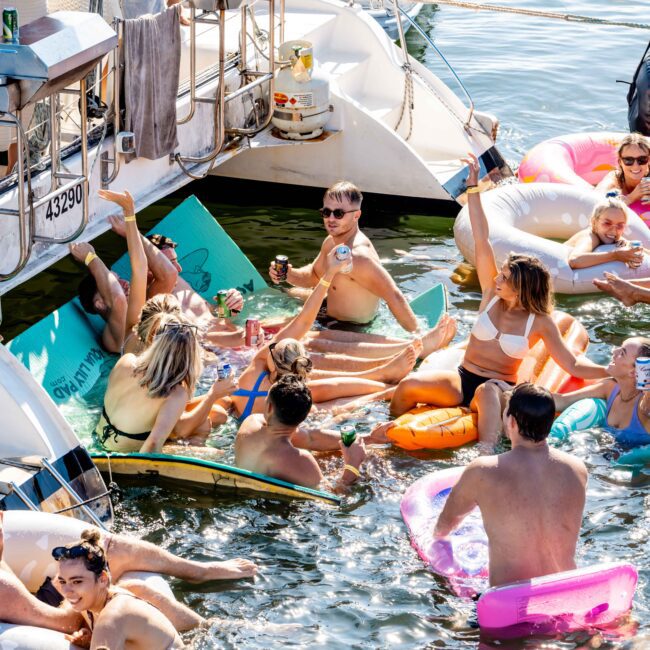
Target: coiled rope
{"points": [[574, 18]]}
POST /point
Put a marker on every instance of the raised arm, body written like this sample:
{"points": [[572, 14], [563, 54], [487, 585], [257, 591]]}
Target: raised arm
{"points": [[371, 275], [486, 266], [460, 502], [163, 272], [316, 439], [128, 225], [111, 294], [168, 416], [562, 355]]}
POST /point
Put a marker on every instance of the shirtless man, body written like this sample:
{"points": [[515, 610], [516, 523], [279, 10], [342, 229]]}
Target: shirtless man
{"points": [[272, 443], [125, 554], [531, 498], [355, 296]]}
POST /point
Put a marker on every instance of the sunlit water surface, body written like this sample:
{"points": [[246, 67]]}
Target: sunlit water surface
{"points": [[348, 578]]}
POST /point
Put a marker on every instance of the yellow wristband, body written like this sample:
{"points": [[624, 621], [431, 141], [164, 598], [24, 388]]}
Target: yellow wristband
{"points": [[325, 283], [131, 217], [89, 258], [353, 469], [475, 189]]}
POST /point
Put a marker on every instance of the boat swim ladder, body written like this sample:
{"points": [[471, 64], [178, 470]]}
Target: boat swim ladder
{"points": [[219, 102]]}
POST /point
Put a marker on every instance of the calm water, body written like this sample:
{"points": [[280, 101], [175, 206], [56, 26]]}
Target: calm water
{"points": [[349, 578]]}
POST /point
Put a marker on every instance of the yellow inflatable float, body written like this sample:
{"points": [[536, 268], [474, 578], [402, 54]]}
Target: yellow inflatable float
{"points": [[425, 427]]}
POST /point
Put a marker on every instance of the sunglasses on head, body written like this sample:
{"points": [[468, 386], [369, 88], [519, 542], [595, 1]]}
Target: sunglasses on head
{"points": [[74, 552], [338, 212], [628, 161], [175, 325]]}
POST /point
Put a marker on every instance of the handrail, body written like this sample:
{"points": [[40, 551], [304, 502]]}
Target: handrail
{"points": [[270, 76], [425, 36], [116, 160], [23, 153], [219, 118]]}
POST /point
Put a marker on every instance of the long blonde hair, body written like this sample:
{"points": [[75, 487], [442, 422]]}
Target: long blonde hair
{"points": [[290, 356], [173, 358], [152, 312]]}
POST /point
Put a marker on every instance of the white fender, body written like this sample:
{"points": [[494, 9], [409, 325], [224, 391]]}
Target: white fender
{"points": [[525, 218]]}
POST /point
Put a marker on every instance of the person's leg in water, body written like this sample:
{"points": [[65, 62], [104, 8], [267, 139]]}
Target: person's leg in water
{"points": [[389, 373], [434, 339], [489, 402], [131, 554], [325, 390], [439, 388]]}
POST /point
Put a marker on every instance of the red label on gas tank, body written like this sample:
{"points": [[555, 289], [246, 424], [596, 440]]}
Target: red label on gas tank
{"points": [[280, 98]]}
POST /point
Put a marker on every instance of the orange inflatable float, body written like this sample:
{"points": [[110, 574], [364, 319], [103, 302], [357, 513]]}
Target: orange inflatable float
{"points": [[443, 428]]}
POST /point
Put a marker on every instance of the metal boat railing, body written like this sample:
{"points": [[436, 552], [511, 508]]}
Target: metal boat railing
{"points": [[400, 11]]}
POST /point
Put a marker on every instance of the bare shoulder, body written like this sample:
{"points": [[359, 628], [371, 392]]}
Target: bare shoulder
{"points": [[252, 423], [483, 468], [570, 462], [362, 246]]}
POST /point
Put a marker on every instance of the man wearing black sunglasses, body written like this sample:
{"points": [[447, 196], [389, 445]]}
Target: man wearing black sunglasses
{"points": [[353, 297]]}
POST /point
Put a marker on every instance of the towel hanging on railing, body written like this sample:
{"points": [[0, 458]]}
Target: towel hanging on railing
{"points": [[152, 56]]}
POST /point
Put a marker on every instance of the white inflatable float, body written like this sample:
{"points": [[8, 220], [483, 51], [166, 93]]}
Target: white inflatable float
{"points": [[29, 538], [526, 218]]}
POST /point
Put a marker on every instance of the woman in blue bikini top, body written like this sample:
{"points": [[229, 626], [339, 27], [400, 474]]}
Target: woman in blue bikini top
{"points": [[515, 312], [628, 409], [286, 354]]}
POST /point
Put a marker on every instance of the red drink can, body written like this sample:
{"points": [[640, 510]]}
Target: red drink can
{"points": [[253, 331]]}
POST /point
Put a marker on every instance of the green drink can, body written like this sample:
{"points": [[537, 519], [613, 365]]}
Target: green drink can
{"points": [[10, 29], [348, 434], [223, 310]]}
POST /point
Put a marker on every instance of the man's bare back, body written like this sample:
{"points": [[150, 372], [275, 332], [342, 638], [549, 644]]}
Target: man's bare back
{"points": [[531, 498], [531, 502]]}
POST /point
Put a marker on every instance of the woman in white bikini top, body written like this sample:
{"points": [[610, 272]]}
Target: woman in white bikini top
{"points": [[515, 313]]}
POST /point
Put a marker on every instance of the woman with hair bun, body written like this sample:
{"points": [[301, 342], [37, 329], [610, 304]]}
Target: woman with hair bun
{"points": [[286, 354]]}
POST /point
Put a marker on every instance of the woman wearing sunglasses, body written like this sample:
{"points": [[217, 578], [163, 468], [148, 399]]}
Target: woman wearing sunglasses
{"points": [[116, 617], [630, 177], [287, 354], [148, 393]]}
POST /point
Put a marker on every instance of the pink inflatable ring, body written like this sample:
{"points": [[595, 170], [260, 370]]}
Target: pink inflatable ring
{"points": [[561, 602], [581, 159]]}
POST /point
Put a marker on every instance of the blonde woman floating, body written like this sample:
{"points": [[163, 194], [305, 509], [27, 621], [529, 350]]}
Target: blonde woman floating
{"points": [[608, 222]]}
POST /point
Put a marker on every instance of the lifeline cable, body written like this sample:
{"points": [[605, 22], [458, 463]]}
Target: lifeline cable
{"points": [[535, 12]]}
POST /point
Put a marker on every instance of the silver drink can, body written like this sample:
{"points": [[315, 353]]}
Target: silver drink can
{"points": [[224, 370], [645, 199], [643, 373]]}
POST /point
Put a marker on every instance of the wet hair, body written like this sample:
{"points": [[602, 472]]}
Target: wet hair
{"points": [[630, 140], [152, 311], [88, 550], [173, 358], [608, 203], [533, 409], [290, 357], [344, 190], [532, 282], [87, 293], [291, 399], [161, 242]]}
